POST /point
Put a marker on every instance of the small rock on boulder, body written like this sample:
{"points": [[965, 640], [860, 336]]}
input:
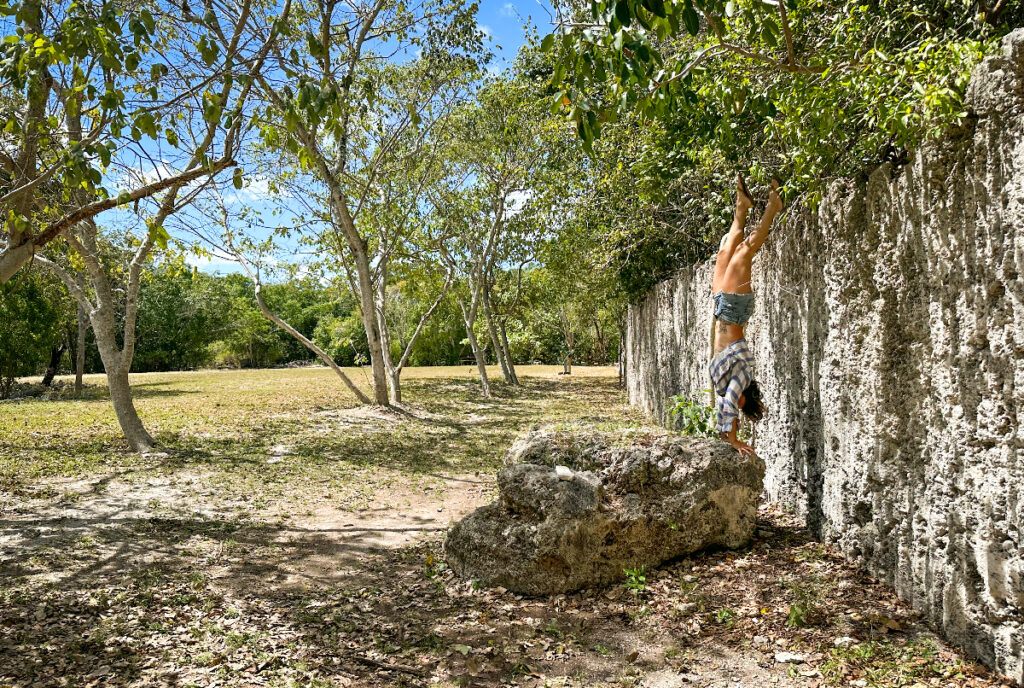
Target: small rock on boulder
{"points": [[576, 509]]}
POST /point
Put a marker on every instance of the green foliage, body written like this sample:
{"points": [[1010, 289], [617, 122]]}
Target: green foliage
{"points": [[636, 580], [29, 327], [344, 338], [181, 312], [72, 38], [692, 418], [806, 608], [915, 661], [808, 89], [672, 97]]}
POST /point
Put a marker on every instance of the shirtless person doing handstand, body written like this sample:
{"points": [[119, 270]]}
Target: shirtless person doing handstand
{"points": [[731, 366]]}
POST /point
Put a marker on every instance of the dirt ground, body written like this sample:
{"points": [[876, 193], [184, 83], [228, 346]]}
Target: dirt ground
{"points": [[303, 563]]}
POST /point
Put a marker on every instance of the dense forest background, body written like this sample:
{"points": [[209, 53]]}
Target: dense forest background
{"points": [[191, 319]]}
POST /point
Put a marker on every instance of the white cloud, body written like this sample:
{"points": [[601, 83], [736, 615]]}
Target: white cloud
{"points": [[508, 10], [212, 264], [517, 200], [487, 31], [256, 189]]}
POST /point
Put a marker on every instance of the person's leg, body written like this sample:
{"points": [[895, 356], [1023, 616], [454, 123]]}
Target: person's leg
{"points": [[757, 238], [734, 238], [736, 276]]}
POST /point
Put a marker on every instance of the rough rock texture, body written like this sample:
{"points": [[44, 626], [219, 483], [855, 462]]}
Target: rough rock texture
{"points": [[631, 500], [889, 339]]}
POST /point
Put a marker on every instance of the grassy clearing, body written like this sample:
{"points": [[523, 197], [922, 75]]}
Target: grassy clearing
{"points": [[231, 420]]}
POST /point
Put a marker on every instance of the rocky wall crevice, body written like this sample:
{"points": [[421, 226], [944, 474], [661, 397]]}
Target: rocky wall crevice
{"points": [[889, 340]]}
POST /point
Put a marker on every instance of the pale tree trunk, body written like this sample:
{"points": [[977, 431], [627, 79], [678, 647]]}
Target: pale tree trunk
{"points": [[508, 352], [394, 373], [308, 343], [497, 334], [325, 357], [622, 351], [83, 324], [492, 332], [394, 370], [365, 292], [469, 317], [380, 381], [116, 366], [602, 346], [570, 342], [12, 258]]}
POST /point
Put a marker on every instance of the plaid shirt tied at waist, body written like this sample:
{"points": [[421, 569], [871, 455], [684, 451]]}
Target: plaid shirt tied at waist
{"points": [[732, 371]]}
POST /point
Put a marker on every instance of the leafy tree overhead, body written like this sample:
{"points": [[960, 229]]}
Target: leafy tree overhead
{"points": [[807, 90], [95, 92]]}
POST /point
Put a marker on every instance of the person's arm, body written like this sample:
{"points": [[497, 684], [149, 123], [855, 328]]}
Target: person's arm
{"points": [[732, 438], [728, 416]]}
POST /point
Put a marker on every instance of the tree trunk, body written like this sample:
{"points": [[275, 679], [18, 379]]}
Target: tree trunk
{"points": [[395, 385], [83, 325], [508, 352], [12, 259], [601, 346], [622, 352], [499, 340], [116, 369], [499, 351], [481, 364], [134, 431], [394, 372], [56, 353], [308, 343], [570, 343], [369, 313], [492, 331]]}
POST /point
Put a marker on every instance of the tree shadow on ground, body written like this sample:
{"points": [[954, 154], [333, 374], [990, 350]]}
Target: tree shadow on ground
{"points": [[190, 601]]}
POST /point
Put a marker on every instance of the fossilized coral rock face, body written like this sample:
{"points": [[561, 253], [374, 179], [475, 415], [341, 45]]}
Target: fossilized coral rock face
{"points": [[888, 340], [578, 508]]}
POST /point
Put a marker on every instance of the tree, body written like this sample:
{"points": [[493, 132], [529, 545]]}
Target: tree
{"points": [[338, 102], [501, 146], [807, 90], [89, 92], [215, 121]]}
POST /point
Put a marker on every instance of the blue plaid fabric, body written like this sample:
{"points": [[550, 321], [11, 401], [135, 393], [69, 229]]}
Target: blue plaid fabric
{"points": [[732, 371]]}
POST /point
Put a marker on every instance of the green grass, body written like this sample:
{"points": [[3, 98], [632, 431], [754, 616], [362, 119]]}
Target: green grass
{"points": [[229, 422]]}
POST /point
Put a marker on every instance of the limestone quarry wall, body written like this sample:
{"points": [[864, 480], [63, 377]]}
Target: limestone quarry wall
{"points": [[889, 340]]}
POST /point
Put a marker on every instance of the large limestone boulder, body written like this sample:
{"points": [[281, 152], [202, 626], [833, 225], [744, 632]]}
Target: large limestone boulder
{"points": [[576, 509]]}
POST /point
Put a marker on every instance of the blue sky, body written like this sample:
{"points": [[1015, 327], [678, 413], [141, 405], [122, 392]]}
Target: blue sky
{"points": [[503, 21]]}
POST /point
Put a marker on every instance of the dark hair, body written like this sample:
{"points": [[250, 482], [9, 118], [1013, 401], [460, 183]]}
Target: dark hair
{"points": [[752, 406]]}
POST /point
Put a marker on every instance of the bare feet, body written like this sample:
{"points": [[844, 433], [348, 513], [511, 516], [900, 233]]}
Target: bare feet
{"points": [[774, 200], [743, 200]]}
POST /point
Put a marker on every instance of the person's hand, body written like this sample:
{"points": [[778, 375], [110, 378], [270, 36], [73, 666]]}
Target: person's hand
{"points": [[743, 448]]}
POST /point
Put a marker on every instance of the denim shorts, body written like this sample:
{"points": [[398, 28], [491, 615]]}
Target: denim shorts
{"points": [[734, 308]]}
